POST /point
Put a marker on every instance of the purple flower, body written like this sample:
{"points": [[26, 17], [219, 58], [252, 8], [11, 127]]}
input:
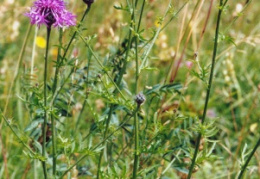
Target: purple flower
{"points": [[51, 12]]}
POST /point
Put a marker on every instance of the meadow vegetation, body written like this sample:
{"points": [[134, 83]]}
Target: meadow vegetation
{"points": [[134, 89]]}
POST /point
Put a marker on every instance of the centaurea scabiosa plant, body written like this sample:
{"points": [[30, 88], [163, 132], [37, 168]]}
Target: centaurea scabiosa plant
{"points": [[51, 13]]}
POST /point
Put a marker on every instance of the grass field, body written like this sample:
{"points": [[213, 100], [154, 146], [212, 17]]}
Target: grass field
{"points": [[136, 89]]}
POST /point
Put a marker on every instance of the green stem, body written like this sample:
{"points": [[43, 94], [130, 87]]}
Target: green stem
{"points": [[122, 71], [248, 160], [140, 17], [86, 97], [137, 152], [58, 90], [105, 136], [145, 58], [136, 66], [103, 68], [45, 102], [98, 145], [208, 89], [54, 148], [136, 122], [118, 82], [167, 23], [55, 82], [174, 16], [54, 87], [81, 112], [13, 131]]}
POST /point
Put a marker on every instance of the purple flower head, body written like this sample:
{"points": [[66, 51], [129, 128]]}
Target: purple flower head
{"points": [[51, 12]]}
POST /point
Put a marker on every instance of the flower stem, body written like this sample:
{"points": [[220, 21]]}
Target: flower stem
{"points": [[54, 149], [105, 136], [118, 82], [137, 152], [248, 160], [136, 122], [209, 87], [99, 144], [116, 85], [55, 82], [13, 131], [45, 101], [86, 96], [141, 15], [152, 40], [59, 63]]}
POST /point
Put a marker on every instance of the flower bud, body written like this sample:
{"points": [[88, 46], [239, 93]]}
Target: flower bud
{"points": [[140, 99], [88, 2]]}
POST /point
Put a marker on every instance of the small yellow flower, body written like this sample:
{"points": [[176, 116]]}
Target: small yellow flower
{"points": [[40, 42]]}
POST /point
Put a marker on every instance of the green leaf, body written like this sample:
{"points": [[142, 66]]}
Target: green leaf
{"points": [[171, 87], [33, 124]]}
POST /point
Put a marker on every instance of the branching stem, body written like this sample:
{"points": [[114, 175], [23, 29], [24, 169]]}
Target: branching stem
{"points": [[248, 159], [208, 88]]}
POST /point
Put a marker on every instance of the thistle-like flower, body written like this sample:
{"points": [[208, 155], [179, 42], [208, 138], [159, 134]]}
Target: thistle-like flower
{"points": [[51, 13]]}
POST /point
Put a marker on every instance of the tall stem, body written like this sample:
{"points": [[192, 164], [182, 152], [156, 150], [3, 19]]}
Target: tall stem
{"points": [[248, 159], [16, 134], [122, 71], [45, 102], [136, 122], [54, 153], [137, 152], [98, 145], [118, 82], [105, 136], [209, 87], [86, 97], [55, 82]]}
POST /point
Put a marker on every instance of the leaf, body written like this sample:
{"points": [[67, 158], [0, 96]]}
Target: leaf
{"points": [[120, 7], [171, 87], [150, 69], [33, 124], [61, 168], [155, 89], [182, 170], [148, 169]]}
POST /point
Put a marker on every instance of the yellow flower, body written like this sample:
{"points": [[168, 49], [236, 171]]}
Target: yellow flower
{"points": [[40, 42]]}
